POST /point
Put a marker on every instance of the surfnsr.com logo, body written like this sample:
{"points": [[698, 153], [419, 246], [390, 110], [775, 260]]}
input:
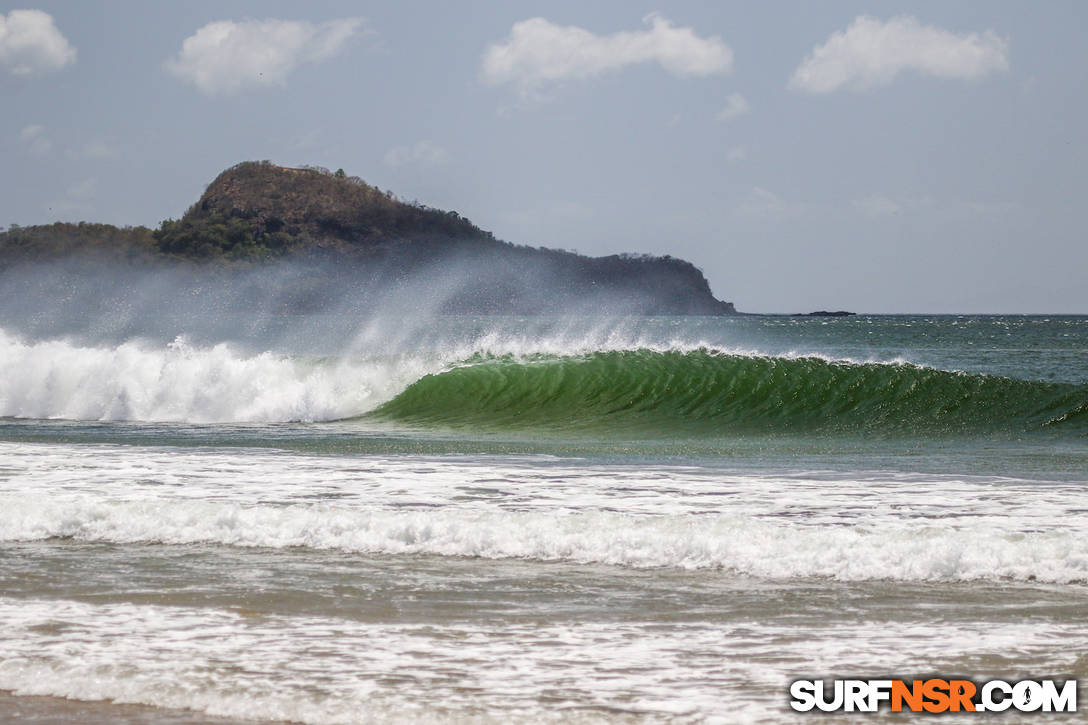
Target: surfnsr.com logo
{"points": [[934, 695]]}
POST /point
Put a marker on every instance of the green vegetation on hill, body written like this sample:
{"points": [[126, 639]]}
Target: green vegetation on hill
{"points": [[257, 210], [219, 236], [50, 241]]}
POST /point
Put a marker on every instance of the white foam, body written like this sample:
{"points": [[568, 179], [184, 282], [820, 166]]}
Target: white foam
{"points": [[332, 671], [742, 544], [179, 382], [316, 670], [855, 526]]}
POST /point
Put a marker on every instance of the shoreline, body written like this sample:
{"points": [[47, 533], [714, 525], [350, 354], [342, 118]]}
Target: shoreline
{"points": [[51, 710]]}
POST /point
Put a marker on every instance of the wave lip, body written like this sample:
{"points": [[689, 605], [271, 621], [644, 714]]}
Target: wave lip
{"points": [[706, 391]]}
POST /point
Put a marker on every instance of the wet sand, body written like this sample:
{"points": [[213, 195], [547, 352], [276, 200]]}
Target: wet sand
{"points": [[34, 710]]}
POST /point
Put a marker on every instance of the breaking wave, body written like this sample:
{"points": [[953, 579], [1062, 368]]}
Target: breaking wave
{"points": [[507, 385], [742, 544]]}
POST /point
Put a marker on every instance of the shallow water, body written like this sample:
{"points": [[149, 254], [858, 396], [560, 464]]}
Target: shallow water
{"points": [[212, 528]]}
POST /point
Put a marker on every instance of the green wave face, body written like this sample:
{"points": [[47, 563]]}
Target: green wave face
{"points": [[704, 392]]}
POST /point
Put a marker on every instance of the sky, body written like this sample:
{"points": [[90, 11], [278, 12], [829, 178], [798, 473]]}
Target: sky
{"points": [[925, 157]]}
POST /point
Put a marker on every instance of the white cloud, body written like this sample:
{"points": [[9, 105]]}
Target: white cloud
{"points": [[99, 150], [881, 206], [85, 189], [30, 43], [970, 208], [228, 56], [526, 224], [871, 53], [764, 204], [35, 140], [423, 153], [735, 105], [876, 206], [310, 139], [538, 53], [78, 199], [94, 150], [735, 154]]}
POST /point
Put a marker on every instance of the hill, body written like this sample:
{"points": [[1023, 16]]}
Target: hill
{"points": [[351, 233]]}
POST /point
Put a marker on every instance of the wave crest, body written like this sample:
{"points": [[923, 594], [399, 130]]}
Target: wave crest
{"points": [[706, 391]]}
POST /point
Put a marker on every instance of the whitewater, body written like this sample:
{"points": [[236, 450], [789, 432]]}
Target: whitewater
{"points": [[319, 519]]}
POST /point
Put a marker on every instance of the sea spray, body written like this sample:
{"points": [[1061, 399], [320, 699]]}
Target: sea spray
{"points": [[139, 381]]}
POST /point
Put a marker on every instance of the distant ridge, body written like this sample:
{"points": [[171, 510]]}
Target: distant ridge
{"points": [[257, 212]]}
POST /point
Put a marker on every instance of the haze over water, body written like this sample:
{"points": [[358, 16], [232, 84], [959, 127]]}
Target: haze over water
{"points": [[486, 519]]}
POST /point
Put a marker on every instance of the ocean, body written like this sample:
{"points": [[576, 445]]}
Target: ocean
{"points": [[498, 519]]}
